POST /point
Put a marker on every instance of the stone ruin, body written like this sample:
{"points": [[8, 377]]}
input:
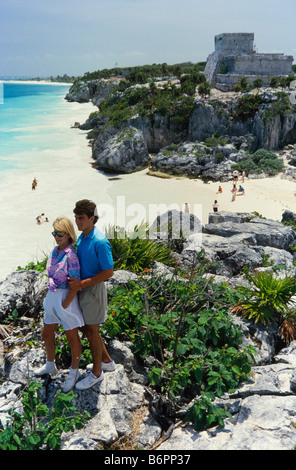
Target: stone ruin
{"points": [[235, 57]]}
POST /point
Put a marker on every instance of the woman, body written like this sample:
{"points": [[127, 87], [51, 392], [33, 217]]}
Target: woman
{"points": [[61, 304]]}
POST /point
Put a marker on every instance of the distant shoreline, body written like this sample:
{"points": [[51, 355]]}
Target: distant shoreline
{"points": [[36, 82]]}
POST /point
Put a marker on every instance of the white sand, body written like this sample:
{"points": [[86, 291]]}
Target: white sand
{"points": [[67, 175]]}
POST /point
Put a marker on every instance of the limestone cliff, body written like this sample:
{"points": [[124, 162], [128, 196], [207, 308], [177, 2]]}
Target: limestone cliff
{"points": [[264, 118]]}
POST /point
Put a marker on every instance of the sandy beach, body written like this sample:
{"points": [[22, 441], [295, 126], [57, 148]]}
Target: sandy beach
{"points": [[66, 176]]}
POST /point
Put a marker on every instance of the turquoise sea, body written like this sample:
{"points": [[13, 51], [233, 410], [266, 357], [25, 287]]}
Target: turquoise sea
{"points": [[37, 139], [26, 109]]}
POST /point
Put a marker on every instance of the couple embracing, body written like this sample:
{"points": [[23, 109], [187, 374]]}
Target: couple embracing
{"points": [[77, 296]]}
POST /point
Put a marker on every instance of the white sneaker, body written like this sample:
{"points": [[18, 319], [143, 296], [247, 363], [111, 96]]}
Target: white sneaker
{"points": [[89, 381], [49, 368], [107, 366], [71, 380]]}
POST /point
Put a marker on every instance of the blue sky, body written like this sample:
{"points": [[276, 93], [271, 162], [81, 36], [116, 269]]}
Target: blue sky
{"points": [[43, 38]]}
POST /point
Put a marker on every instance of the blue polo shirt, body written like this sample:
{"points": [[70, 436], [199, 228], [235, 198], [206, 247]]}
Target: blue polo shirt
{"points": [[94, 253]]}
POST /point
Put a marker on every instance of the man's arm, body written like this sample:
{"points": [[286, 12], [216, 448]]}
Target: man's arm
{"points": [[76, 285]]}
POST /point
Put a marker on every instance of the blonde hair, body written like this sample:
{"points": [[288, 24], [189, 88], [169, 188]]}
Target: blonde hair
{"points": [[63, 224]]}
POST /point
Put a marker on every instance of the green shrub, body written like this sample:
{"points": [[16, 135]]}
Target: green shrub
{"points": [[204, 414], [38, 266], [185, 325], [247, 106], [261, 161], [280, 107], [38, 427]]}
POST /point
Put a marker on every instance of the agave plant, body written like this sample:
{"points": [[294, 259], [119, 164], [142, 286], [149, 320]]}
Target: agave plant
{"points": [[134, 251], [268, 298]]}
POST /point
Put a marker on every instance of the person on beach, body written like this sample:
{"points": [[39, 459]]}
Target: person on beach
{"points": [[38, 218], [96, 263], [61, 304], [34, 184], [235, 175], [241, 191], [215, 206]]}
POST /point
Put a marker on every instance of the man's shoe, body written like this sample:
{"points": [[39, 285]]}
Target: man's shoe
{"points": [[49, 368], [71, 380], [106, 366], [89, 381]]}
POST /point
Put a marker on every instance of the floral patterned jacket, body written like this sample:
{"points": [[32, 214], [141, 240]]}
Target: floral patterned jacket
{"points": [[60, 266]]}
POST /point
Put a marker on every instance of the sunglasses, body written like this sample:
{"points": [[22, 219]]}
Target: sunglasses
{"points": [[59, 234]]}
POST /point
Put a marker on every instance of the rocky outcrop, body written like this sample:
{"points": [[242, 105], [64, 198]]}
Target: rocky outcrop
{"points": [[158, 132], [121, 151], [262, 409], [201, 159], [263, 413], [94, 90], [272, 125], [264, 119], [111, 404], [233, 241]]}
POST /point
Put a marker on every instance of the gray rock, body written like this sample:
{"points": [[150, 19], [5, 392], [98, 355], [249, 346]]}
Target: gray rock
{"points": [[263, 416], [235, 240], [124, 152], [23, 291]]}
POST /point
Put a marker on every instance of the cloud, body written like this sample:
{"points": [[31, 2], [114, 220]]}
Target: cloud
{"points": [[95, 34]]}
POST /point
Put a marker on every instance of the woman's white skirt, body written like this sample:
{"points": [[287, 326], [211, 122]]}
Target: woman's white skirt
{"points": [[70, 317]]}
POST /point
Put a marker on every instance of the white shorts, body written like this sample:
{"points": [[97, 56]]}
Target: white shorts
{"points": [[70, 317]]}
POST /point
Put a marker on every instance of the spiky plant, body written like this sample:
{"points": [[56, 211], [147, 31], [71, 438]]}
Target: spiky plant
{"points": [[268, 298]]}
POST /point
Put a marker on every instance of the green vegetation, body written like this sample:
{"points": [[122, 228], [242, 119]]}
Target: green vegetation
{"points": [[134, 251], [141, 74], [38, 266], [261, 161], [267, 300], [168, 100], [275, 82], [183, 322], [282, 82], [139, 93], [247, 106], [37, 427], [280, 107], [185, 325], [242, 85]]}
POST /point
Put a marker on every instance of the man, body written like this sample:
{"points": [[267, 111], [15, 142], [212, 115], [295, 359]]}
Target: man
{"points": [[96, 266]]}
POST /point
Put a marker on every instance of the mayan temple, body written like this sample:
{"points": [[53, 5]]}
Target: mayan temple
{"points": [[235, 57]]}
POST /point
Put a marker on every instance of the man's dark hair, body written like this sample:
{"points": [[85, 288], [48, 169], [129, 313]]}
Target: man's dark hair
{"points": [[85, 206]]}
